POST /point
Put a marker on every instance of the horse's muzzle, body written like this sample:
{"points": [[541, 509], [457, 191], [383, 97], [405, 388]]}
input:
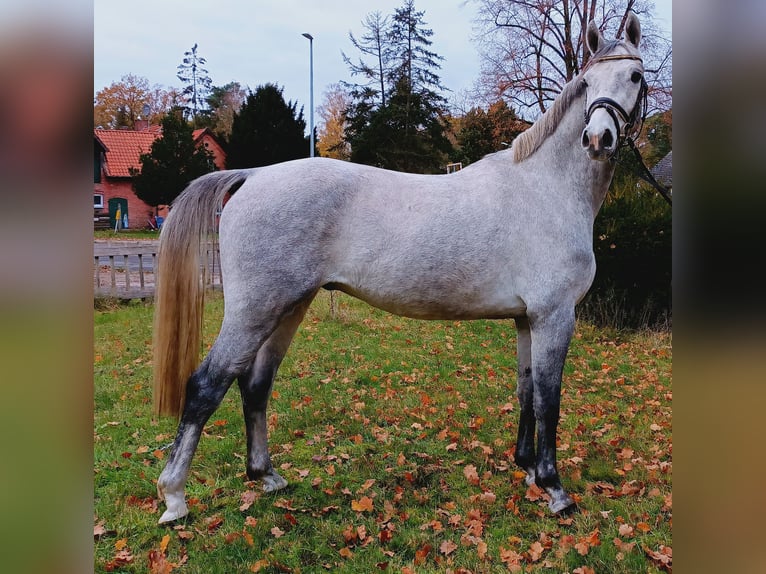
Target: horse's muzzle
{"points": [[599, 144]]}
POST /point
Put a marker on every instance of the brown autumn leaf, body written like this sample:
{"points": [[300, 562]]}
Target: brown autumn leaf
{"points": [[511, 559], [259, 565], [471, 474], [421, 554], [534, 493], [214, 522], [623, 546], [247, 499], [584, 570], [626, 530], [99, 530], [121, 558], [447, 547], [158, 563], [535, 551], [364, 504], [231, 537], [277, 532], [662, 559], [345, 552]]}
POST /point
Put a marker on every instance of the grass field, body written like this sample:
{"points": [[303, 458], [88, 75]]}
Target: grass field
{"points": [[125, 234], [397, 438]]}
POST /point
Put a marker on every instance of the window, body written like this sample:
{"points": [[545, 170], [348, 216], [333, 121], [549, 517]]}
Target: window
{"points": [[98, 201]]}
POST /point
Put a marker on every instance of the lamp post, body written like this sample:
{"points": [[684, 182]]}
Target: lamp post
{"points": [[311, 91]]}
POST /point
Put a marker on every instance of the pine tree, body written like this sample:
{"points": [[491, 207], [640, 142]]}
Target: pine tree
{"points": [[266, 130], [174, 161], [193, 73], [408, 132]]}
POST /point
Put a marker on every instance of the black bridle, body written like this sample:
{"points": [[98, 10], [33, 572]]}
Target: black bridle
{"points": [[633, 122]]}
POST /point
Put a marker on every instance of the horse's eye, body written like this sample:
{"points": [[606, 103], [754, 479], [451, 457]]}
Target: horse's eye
{"points": [[635, 77]]}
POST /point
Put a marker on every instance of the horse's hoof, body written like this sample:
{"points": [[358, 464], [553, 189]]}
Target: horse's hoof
{"points": [[273, 482], [176, 508], [563, 506]]}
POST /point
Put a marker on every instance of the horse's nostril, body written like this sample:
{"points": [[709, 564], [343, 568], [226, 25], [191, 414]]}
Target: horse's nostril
{"points": [[608, 139], [585, 138]]}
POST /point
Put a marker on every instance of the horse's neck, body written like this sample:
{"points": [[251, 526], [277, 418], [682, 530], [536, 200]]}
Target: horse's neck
{"points": [[589, 178]]}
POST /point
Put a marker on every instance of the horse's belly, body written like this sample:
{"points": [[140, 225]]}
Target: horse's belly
{"points": [[423, 303]]}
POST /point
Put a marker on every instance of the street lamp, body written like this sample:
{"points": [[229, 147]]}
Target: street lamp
{"points": [[311, 91]]}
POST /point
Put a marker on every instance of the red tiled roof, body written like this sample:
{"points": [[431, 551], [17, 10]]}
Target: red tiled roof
{"points": [[124, 147]]}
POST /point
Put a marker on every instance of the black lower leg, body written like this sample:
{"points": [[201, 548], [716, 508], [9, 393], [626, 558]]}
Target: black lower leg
{"points": [[255, 389], [525, 442]]}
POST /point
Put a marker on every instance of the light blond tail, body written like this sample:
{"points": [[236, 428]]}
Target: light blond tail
{"points": [[179, 286]]}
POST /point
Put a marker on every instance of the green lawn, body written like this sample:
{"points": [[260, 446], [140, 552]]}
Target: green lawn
{"points": [[126, 234], [397, 439]]}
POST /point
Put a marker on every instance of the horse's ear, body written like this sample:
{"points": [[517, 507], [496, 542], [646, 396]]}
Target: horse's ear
{"points": [[593, 37], [633, 29]]}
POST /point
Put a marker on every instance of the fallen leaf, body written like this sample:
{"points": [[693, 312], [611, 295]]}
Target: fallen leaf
{"points": [[535, 551], [625, 530], [447, 547], [364, 504], [247, 498], [471, 474], [662, 559], [259, 565], [158, 563], [214, 522], [422, 553], [277, 532]]}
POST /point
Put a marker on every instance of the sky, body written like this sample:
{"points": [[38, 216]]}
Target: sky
{"points": [[255, 42]]}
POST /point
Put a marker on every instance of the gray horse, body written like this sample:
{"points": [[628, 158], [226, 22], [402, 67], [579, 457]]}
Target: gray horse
{"points": [[509, 236]]}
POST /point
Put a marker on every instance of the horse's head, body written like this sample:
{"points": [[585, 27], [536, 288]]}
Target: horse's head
{"points": [[615, 91]]}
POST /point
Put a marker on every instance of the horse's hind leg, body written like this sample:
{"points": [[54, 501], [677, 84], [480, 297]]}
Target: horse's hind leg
{"points": [[234, 348], [550, 336], [255, 387], [525, 443]]}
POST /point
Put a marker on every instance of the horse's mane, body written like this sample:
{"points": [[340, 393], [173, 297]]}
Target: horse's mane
{"points": [[530, 140]]}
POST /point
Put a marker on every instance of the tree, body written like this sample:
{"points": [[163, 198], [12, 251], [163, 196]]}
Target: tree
{"points": [[224, 103], [407, 133], [333, 123], [123, 102], [530, 48], [372, 43], [266, 130], [174, 161], [482, 132], [191, 71]]}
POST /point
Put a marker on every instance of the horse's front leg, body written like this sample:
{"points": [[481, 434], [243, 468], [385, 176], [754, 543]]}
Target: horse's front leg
{"points": [[550, 335], [525, 443], [204, 393]]}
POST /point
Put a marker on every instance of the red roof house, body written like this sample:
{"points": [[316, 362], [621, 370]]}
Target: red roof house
{"points": [[115, 152]]}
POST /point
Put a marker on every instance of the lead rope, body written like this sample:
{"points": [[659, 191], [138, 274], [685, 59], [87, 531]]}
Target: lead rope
{"points": [[647, 175]]}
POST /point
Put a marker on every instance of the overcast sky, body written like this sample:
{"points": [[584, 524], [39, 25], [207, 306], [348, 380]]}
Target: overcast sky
{"points": [[258, 41]]}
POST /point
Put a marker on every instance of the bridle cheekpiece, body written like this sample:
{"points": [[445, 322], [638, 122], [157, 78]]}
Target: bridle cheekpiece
{"points": [[633, 120]]}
